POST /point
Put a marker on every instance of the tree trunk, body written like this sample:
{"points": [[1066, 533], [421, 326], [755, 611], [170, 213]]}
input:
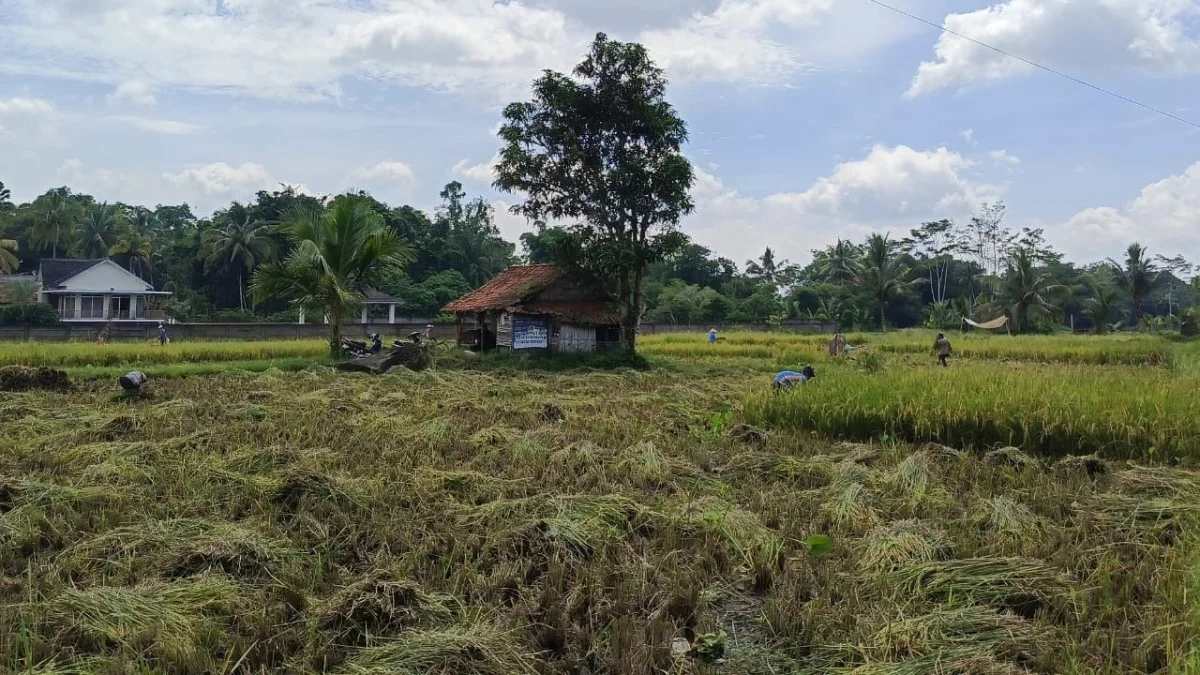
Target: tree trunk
{"points": [[335, 335], [882, 318], [242, 293], [630, 293]]}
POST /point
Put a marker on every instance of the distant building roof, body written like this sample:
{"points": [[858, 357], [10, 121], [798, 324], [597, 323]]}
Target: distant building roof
{"points": [[6, 280], [507, 288], [377, 297], [55, 271], [579, 312]]}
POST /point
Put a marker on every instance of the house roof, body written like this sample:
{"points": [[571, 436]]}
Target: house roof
{"points": [[55, 271], [377, 297], [505, 289], [6, 280], [579, 312]]}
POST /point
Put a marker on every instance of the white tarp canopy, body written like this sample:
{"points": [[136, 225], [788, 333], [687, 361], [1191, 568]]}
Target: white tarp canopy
{"points": [[988, 325]]}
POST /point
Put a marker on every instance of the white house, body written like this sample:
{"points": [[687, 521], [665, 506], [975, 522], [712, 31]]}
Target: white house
{"points": [[98, 290]]}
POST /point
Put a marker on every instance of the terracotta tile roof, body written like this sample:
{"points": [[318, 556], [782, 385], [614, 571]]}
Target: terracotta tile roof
{"points": [[579, 312], [505, 289], [54, 271]]}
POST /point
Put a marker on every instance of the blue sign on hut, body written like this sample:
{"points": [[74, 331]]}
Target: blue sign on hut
{"points": [[535, 308]]}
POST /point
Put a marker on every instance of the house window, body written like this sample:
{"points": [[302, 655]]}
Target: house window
{"points": [[66, 307], [91, 307]]}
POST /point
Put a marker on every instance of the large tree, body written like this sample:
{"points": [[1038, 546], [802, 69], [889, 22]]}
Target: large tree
{"points": [[1138, 276], [337, 256], [604, 148], [883, 273], [101, 228], [1026, 292], [53, 218], [237, 247], [839, 263], [136, 247]]}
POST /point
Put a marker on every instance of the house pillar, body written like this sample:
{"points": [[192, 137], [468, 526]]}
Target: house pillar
{"points": [[133, 307], [364, 314], [107, 306], [301, 320], [392, 313], [78, 306]]}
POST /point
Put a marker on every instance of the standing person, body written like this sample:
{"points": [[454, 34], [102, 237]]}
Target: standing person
{"points": [[942, 346], [428, 334], [712, 336], [788, 378], [133, 383], [837, 345], [162, 334]]}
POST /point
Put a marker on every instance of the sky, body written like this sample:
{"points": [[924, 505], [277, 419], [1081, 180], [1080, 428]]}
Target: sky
{"points": [[809, 120]]}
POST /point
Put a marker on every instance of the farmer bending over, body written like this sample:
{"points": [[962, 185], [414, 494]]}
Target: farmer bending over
{"points": [[789, 378], [942, 346], [134, 383]]}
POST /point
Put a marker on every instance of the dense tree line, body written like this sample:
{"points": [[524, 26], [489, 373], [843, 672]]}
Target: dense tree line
{"points": [[208, 262], [937, 274]]}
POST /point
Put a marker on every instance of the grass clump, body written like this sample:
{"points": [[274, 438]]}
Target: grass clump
{"points": [[179, 624], [1022, 585], [471, 649]]}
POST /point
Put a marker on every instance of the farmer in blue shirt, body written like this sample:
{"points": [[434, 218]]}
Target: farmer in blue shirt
{"points": [[712, 336], [162, 334], [789, 378]]}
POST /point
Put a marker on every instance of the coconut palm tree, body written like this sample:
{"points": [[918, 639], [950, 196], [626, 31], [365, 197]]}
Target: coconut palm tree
{"points": [[1026, 293], [5, 198], [883, 274], [339, 254], [53, 218], [137, 247], [1102, 305], [240, 246], [840, 263], [8, 253], [1138, 276], [102, 226]]}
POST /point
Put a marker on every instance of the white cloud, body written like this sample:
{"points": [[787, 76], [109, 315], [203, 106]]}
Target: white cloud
{"points": [[23, 117], [1154, 36], [169, 127], [483, 174], [892, 188], [1163, 216], [294, 49], [221, 179], [385, 172], [732, 43], [302, 49], [969, 136], [1002, 157], [132, 92]]}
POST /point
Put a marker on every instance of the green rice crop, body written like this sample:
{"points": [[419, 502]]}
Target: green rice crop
{"points": [[66, 355], [790, 348], [1057, 410]]}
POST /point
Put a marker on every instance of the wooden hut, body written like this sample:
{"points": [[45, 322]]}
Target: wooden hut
{"points": [[532, 309]]}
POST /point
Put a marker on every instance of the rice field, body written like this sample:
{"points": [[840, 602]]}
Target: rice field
{"points": [[680, 519], [122, 354], [781, 348]]}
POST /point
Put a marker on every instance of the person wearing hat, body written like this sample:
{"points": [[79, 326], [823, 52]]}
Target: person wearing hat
{"points": [[162, 334]]}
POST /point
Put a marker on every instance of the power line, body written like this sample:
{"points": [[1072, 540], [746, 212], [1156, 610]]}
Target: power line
{"points": [[1048, 69]]}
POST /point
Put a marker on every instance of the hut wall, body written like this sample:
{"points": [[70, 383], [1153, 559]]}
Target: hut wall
{"points": [[504, 331], [573, 338]]}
